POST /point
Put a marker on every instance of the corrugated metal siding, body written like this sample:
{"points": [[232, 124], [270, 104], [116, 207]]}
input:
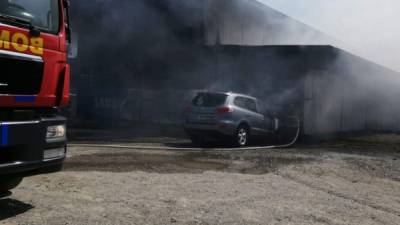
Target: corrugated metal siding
{"points": [[355, 96], [248, 22]]}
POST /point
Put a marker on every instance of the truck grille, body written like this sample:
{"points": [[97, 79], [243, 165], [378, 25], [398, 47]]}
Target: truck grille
{"points": [[20, 74]]}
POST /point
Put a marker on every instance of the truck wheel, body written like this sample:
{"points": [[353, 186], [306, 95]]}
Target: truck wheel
{"points": [[8, 184], [242, 135]]}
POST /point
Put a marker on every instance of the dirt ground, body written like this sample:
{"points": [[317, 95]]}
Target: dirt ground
{"points": [[345, 182]]}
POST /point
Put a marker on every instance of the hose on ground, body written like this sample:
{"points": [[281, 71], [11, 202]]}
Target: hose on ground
{"points": [[137, 147]]}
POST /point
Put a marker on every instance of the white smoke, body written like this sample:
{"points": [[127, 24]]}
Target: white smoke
{"points": [[368, 27]]}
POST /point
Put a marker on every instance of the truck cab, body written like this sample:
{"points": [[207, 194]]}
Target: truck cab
{"points": [[34, 85]]}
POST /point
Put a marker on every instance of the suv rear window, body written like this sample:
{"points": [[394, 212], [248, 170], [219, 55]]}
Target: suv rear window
{"points": [[209, 100]]}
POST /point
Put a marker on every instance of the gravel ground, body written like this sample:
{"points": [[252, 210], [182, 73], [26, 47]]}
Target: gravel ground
{"points": [[349, 182]]}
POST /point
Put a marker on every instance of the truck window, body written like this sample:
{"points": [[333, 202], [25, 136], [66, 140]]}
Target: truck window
{"points": [[209, 100], [44, 14]]}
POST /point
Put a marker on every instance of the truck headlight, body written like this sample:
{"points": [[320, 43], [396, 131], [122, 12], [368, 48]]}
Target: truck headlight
{"points": [[56, 132]]}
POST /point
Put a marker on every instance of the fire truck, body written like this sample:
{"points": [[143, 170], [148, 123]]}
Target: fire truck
{"points": [[34, 85]]}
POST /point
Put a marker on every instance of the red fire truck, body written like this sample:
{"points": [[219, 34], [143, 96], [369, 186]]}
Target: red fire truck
{"points": [[34, 85]]}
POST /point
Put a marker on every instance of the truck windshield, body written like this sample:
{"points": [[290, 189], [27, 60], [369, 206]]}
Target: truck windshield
{"points": [[43, 14]]}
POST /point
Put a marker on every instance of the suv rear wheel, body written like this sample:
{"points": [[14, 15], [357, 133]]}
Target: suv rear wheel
{"points": [[242, 136]]}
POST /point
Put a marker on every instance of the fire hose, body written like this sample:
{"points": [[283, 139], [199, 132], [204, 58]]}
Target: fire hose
{"points": [[137, 147]]}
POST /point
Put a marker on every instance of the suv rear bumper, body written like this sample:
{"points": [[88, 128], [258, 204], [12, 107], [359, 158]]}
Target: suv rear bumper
{"points": [[225, 128], [24, 150]]}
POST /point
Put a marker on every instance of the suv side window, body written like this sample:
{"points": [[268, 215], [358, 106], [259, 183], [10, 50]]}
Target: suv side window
{"points": [[251, 105], [246, 103], [240, 102]]}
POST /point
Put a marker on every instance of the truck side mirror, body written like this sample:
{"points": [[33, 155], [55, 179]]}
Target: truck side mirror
{"points": [[72, 42], [73, 47], [67, 22]]}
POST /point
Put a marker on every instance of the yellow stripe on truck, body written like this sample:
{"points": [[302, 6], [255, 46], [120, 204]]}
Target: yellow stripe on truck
{"points": [[20, 42]]}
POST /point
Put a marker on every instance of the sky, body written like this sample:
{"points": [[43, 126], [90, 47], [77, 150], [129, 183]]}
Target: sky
{"points": [[369, 28]]}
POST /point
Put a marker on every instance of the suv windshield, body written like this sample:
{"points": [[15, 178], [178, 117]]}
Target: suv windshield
{"points": [[43, 14], [209, 100]]}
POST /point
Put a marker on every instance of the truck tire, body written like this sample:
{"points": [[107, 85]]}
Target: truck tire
{"points": [[8, 184]]}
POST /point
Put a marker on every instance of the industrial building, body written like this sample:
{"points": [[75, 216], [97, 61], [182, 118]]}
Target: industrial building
{"points": [[144, 63]]}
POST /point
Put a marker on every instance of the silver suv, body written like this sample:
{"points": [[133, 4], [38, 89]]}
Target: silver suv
{"points": [[236, 117]]}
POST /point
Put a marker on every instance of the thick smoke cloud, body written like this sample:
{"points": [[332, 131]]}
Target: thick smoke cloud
{"points": [[352, 94], [368, 28], [143, 60], [137, 39], [127, 46]]}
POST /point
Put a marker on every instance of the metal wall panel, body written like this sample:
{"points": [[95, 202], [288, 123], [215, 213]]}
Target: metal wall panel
{"points": [[248, 22], [353, 95]]}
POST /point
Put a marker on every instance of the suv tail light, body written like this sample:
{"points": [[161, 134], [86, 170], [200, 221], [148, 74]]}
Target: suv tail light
{"points": [[223, 110]]}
